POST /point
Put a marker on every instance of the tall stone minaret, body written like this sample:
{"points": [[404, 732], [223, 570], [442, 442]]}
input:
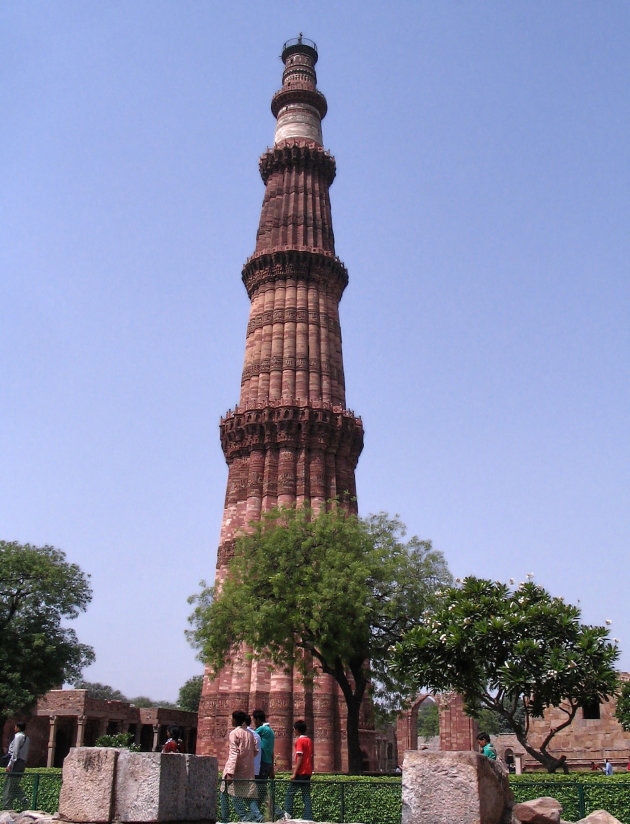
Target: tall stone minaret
{"points": [[291, 439]]}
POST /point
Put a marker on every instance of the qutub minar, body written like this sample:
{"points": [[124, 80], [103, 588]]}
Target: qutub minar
{"points": [[291, 440]]}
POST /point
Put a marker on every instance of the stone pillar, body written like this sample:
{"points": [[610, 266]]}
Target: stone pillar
{"points": [[80, 730], [52, 734], [156, 736], [458, 731]]}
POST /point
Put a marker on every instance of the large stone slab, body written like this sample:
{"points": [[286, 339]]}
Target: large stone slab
{"points": [[201, 788], [150, 787], [88, 785], [101, 785], [599, 817], [448, 787]]}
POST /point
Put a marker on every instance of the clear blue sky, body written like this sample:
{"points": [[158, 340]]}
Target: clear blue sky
{"points": [[481, 207]]}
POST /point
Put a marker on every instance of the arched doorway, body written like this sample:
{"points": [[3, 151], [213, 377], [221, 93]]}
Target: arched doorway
{"points": [[457, 730], [407, 727]]}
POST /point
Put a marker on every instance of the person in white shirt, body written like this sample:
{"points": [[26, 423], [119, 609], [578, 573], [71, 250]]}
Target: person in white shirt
{"points": [[18, 754]]}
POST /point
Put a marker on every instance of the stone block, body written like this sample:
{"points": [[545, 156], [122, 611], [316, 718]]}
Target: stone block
{"points": [[444, 787], [599, 817], [88, 784], [150, 787], [201, 788], [543, 810]]}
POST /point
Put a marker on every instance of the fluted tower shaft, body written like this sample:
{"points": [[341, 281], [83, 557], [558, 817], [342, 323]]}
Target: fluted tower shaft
{"points": [[291, 439]]}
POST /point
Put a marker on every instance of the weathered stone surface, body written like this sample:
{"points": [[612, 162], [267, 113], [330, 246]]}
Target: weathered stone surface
{"points": [[543, 810], [599, 817], [150, 787], [447, 787], [26, 817], [201, 788], [102, 784], [88, 784]]}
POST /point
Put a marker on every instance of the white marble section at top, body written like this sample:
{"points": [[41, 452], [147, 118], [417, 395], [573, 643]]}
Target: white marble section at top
{"points": [[298, 120]]}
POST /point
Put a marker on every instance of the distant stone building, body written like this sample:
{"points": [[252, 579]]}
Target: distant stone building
{"points": [[70, 718], [594, 735]]}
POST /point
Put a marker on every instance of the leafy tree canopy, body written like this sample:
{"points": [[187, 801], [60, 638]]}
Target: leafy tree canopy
{"points": [[107, 693], [622, 712], [38, 590], [145, 701], [513, 651], [97, 690], [190, 694], [325, 593]]}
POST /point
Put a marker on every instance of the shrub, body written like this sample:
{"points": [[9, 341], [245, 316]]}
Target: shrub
{"points": [[595, 790], [41, 787], [120, 740]]}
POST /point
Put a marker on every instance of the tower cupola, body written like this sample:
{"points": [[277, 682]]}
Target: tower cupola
{"points": [[298, 107]]}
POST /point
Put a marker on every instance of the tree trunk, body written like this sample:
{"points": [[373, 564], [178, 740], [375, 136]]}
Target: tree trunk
{"points": [[549, 762], [355, 757]]}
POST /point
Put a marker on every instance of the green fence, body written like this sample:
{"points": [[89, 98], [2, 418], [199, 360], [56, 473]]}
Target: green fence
{"points": [[578, 797], [32, 791], [369, 800]]}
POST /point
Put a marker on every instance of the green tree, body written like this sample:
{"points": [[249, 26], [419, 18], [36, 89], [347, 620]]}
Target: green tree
{"points": [[428, 719], [190, 694], [499, 647], [329, 593], [145, 701], [622, 713], [38, 590], [489, 721], [494, 724], [98, 690]]}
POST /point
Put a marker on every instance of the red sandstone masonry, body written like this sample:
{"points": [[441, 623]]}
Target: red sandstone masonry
{"points": [[291, 439]]}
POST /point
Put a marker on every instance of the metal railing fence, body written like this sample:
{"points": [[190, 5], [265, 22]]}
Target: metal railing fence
{"points": [[371, 801], [30, 790], [579, 798], [374, 801]]}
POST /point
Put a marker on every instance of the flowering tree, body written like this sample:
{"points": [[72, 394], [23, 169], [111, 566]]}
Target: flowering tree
{"points": [[498, 646], [622, 712]]}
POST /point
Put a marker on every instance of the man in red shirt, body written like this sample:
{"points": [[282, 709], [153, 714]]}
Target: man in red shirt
{"points": [[302, 771]]}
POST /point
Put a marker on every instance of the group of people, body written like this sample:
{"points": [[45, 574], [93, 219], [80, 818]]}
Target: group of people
{"points": [[249, 767]]}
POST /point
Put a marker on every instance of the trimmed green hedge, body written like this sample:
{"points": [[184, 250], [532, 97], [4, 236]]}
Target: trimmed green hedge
{"points": [[579, 793], [41, 787], [370, 800], [377, 800]]}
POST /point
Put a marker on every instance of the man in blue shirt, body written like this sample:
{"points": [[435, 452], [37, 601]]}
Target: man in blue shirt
{"points": [[267, 771]]}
